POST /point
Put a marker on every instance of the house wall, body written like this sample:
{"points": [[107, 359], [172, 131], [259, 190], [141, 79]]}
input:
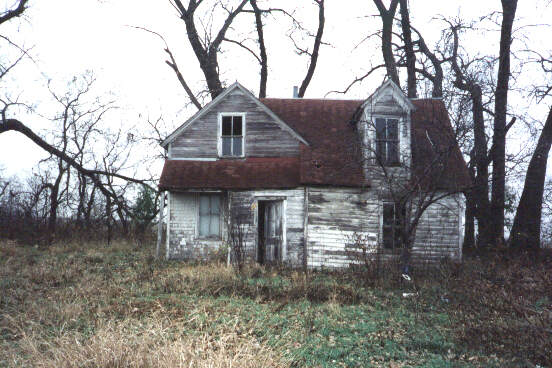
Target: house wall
{"points": [[264, 137], [245, 204], [335, 215], [440, 231], [183, 240], [183, 208]]}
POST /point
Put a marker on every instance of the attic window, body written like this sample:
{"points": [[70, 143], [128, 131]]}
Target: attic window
{"points": [[387, 141], [232, 131]]}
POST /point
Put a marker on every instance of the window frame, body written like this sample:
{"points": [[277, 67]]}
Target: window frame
{"points": [[219, 133], [395, 226], [386, 141], [220, 215]]}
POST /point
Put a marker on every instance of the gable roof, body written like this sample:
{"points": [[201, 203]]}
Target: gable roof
{"points": [[219, 98], [403, 101], [331, 158]]}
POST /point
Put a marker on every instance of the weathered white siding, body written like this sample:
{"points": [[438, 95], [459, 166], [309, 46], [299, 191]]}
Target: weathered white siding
{"points": [[263, 136], [335, 215], [185, 244], [245, 203], [439, 234], [183, 241]]}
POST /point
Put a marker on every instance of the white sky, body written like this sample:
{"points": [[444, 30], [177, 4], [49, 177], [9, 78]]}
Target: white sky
{"points": [[69, 37]]}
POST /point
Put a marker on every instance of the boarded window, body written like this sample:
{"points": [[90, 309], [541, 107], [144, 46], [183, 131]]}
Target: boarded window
{"points": [[232, 135], [393, 217], [209, 215], [387, 141]]}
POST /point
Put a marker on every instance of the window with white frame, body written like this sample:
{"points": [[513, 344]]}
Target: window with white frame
{"points": [[387, 141], [232, 135], [209, 215], [393, 217]]}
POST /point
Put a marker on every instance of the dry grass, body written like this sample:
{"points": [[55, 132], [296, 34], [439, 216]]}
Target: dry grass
{"points": [[151, 343], [75, 305]]}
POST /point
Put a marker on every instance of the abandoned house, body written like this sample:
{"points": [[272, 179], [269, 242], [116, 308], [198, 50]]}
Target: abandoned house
{"points": [[304, 179]]}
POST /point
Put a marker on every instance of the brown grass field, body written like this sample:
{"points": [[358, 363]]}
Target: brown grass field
{"points": [[92, 305]]}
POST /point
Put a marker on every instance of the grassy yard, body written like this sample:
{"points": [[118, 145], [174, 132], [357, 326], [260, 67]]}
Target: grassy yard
{"points": [[98, 306]]}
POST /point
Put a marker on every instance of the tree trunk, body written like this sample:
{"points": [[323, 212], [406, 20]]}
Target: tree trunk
{"points": [[52, 218], [526, 229], [387, 17], [315, 49], [499, 134], [481, 189], [262, 49], [409, 50], [469, 213], [469, 228]]}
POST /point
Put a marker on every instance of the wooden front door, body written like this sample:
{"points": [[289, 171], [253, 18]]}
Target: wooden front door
{"points": [[269, 247]]}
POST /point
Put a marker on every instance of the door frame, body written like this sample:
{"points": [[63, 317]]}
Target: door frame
{"points": [[269, 198]]}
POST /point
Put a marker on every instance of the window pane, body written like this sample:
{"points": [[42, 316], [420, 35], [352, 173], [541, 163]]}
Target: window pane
{"points": [[380, 152], [215, 205], [204, 225], [237, 143], [214, 226], [380, 128], [392, 152], [226, 125], [270, 220], [277, 219], [226, 146], [237, 128], [203, 204], [392, 129]]}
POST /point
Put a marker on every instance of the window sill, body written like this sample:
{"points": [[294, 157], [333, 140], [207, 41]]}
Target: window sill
{"points": [[210, 238], [231, 157]]}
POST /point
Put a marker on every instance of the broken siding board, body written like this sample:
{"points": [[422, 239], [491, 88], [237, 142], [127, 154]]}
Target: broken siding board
{"points": [[263, 136]]}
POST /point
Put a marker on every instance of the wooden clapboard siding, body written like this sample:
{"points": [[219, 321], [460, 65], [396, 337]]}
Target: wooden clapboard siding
{"points": [[184, 243], [439, 233], [335, 216], [264, 137], [183, 221], [245, 204]]}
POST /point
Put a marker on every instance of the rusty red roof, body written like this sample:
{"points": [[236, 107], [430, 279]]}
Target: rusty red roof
{"points": [[331, 158], [253, 172]]}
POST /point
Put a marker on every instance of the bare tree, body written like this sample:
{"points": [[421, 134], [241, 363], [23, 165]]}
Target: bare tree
{"points": [[387, 18], [409, 50], [206, 49], [500, 128], [526, 229], [315, 49]]}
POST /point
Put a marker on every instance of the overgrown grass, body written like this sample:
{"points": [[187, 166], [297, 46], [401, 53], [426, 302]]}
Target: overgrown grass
{"points": [[90, 305]]}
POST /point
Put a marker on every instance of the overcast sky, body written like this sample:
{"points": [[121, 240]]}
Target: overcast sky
{"points": [[69, 37]]}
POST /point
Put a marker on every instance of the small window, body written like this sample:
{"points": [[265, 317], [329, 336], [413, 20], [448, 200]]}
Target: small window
{"points": [[393, 217], [209, 215], [387, 141], [232, 135]]}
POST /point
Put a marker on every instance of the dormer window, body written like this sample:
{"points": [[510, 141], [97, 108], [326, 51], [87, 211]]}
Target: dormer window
{"points": [[387, 141], [232, 132]]}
